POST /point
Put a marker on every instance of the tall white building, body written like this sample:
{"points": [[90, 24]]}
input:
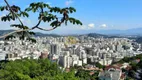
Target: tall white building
{"points": [[55, 49]]}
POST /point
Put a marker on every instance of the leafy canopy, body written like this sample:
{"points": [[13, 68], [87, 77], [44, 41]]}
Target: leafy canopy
{"points": [[46, 15], [26, 69]]}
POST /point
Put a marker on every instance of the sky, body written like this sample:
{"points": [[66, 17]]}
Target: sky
{"points": [[94, 14]]}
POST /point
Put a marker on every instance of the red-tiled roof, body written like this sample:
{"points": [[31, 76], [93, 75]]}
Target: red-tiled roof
{"points": [[115, 67]]}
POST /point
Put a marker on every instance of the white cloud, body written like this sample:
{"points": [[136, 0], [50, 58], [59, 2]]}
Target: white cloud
{"points": [[68, 2], [103, 25], [85, 27], [91, 25]]}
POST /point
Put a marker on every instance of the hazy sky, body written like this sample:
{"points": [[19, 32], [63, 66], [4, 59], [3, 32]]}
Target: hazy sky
{"points": [[95, 14]]}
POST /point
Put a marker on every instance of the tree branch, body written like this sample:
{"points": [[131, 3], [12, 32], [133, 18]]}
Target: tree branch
{"points": [[46, 29], [20, 30], [50, 28], [36, 26], [13, 11]]}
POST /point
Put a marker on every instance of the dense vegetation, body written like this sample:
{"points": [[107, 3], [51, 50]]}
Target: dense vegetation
{"points": [[41, 69], [84, 75], [136, 64], [129, 59]]}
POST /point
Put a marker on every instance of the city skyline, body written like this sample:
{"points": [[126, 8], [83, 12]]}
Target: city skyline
{"points": [[95, 15]]}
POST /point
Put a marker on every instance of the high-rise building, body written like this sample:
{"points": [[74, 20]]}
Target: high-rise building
{"points": [[55, 49]]}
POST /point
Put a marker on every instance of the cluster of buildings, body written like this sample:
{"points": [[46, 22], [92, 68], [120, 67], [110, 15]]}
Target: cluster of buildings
{"points": [[76, 51], [71, 51], [114, 72]]}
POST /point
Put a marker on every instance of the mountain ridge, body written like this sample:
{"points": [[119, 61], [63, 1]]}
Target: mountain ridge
{"points": [[102, 33], [134, 31], [39, 34]]}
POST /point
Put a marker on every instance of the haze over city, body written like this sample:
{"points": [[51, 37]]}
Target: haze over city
{"points": [[96, 15]]}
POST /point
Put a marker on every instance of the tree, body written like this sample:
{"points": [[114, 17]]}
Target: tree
{"points": [[126, 59], [83, 75], [99, 65], [15, 13], [134, 66], [129, 78], [41, 69]]}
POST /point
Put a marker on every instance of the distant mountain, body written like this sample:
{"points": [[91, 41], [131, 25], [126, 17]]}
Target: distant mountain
{"points": [[105, 34], [2, 32], [96, 35], [135, 31], [139, 40], [38, 34]]}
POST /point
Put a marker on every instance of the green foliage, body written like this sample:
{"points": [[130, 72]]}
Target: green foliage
{"points": [[46, 14], [99, 65], [84, 75], [41, 69], [130, 59], [54, 24], [19, 26], [7, 18], [134, 66], [24, 14], [36, 6], [129, 78], [26, 69], [126, 59], [48, 18], [140, 64], [31, 39], [9, 37], [74, 21]]}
